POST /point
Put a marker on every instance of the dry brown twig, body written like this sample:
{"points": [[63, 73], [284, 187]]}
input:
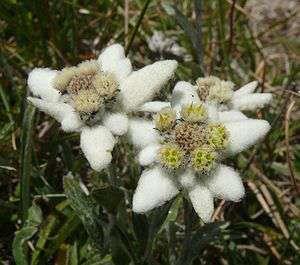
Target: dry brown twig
{"points": [[218, 210], [287, 143]]}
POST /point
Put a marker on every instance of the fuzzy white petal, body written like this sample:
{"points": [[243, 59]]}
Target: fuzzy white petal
{"points": [[154, 106], [203, 202], [113, 60], [231, 115], [251, 102], [40, 84], [142, 133], [117, 123], [143, 84], [97, 144], [226, 184], [154, 189], [246, 89], [187, 179], [212, 111], [184, 93], [243, 134], [62, 112], [149, 154]]}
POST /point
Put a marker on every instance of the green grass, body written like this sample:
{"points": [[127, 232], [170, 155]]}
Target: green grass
{"points": [[38, 225]]}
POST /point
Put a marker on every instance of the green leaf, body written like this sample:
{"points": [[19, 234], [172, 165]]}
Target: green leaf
{"points": [[19, 247], [173, 212], [120, 253], [66, 230], [109, 197], [140, 227], [97, 260], [35, 215], [44, 234], [158, 217], [194, 34], [85, 208], [73, 254], [156, 220], [26, 148], [204, 236]]}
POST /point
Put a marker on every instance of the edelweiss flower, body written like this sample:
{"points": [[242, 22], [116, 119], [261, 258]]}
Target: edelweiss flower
{"points": [[184, 147], [215, 91], [95, 97]]}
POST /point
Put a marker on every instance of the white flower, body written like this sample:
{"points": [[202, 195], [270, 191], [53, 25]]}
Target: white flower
{"points": [[184, 147], [213, 90], [95, 97]]}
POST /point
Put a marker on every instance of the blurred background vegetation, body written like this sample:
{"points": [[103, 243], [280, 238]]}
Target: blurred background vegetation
{"points": [[241, 40]]}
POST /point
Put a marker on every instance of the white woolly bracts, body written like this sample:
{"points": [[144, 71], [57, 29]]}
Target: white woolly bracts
{"points": [[213, 90], [184, 147], [94, 98]]}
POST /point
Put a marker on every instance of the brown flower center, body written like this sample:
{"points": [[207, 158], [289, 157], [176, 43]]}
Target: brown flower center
{"points": [[80, 82], [189, 135]]}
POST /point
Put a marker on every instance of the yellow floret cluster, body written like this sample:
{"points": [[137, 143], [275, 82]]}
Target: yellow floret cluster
{"points": [[191, 140], [171, 156], [165, 119]]}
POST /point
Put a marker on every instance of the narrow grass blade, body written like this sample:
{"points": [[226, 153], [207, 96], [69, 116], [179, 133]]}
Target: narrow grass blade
{"points": [[26, 156]]}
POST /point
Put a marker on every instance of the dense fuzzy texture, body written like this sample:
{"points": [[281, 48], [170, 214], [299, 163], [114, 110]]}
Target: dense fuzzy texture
{"points": [[149, 154], [226, 184], [113, 60], [203, 202], [117, 123], [251, 102], [154, 106], [143, 84], [245, 98], [187, 179], [231, 115], [244, 134], [142, 133], [97, 144], [85, 97], [184, 93], [221, 181], [154, 189], [40, 84], [62, 112]]}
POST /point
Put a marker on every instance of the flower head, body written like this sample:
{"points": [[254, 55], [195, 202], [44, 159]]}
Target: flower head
{"points": [[214, 91], [189, 154], [193, 142], [211, 88], [95, 96]]}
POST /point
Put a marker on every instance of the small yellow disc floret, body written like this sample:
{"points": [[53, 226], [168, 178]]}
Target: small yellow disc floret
{"points": [[194, 112], [217, 135], [165, 119], [171, 156], [203, 159]]}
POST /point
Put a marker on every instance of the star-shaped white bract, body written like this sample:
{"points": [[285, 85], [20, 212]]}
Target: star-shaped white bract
{"points": [[100, 113], [173, 169]]}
